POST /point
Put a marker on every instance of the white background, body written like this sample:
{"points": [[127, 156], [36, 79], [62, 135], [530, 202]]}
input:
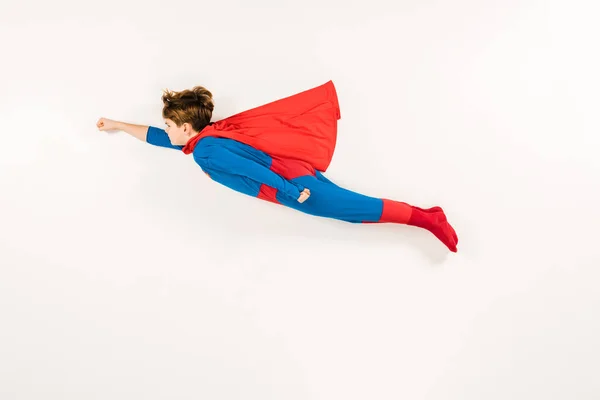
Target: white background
{"points": [[125, 273]]}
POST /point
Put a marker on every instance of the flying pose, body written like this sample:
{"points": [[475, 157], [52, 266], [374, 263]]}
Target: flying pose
{"points": [[277, 152]]}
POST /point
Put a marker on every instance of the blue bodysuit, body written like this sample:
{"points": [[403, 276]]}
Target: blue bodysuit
{"points": [[255, 173], [248, 170]]}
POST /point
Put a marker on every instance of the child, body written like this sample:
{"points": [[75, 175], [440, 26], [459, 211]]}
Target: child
{"points": [[277, 152]]}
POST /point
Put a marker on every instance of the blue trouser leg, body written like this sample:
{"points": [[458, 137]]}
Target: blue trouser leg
{"points": [[331, 201]]}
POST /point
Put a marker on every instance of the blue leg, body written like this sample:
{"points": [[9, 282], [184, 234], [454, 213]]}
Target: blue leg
{"points": [[331, 201]]}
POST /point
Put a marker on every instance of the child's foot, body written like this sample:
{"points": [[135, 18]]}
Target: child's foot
{"points": [[435, 221]]}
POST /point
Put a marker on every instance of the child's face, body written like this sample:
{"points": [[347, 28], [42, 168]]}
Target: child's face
{"points": [[178, 136]]}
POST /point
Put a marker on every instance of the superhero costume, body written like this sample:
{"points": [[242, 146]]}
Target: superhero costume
{"points": [[276, 150]]}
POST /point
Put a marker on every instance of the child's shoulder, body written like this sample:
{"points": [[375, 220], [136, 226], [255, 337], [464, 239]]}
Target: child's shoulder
{"points": [[211, 142], [212, 145]]}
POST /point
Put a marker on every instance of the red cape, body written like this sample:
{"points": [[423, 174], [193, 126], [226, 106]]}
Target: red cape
{"points": [[302, 127]]}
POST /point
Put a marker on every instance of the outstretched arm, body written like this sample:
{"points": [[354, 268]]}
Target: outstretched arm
{"points": [[137, 131], [145, 133]]}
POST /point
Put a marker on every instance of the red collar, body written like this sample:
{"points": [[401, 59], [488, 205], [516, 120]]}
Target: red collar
{"points": [[191, 144]]}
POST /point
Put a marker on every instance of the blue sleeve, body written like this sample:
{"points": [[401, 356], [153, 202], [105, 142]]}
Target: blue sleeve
{"points": [[221, 159], [158, 137]]}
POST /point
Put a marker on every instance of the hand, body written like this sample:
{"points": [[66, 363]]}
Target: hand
{"points": [[304, 195], [105, 124]]}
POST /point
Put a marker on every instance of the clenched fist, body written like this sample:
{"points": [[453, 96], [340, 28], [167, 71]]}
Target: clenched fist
{"points": [[304, 195], [105, 124]]}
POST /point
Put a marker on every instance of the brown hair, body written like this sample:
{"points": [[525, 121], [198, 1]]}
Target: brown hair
{"points": [[193, 106]]}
